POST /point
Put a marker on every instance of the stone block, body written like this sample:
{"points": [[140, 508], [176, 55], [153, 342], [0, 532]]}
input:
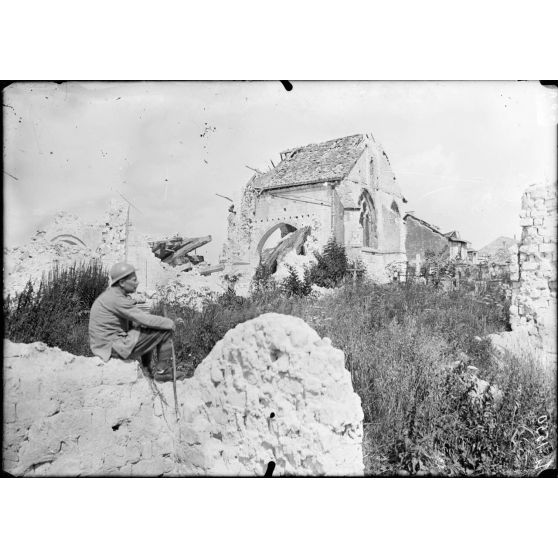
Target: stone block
{"points": [[145, 449], [133, 452], [123, 412], [529, 266], [29, 410], [9, 412], [194, 456], [120, 372], [154, 467], [163, 445], [66, 466]]}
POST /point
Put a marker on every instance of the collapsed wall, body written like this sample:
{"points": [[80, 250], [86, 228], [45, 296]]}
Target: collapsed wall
{"points": [[67, 240], [62, 243], [270, 392], [533, 307]]}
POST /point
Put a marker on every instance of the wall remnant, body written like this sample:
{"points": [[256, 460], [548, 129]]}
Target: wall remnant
{"points": [[533, 305], [64, 242], [270, 392], [422, 237], [113, 248]]}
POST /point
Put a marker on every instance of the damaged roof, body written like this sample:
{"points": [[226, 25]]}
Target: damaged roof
{"points": [[454, 236], [433, 228], [318, 162]]}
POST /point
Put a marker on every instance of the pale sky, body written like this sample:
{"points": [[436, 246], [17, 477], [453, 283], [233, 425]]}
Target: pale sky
{"points": [[463, 152]]}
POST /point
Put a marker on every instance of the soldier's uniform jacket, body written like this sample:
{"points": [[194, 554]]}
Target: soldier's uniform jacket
{"points": [[110, 324]]}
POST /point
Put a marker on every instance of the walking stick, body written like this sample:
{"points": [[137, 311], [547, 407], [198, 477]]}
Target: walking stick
{"points": [[173, 371], [174, 381]]}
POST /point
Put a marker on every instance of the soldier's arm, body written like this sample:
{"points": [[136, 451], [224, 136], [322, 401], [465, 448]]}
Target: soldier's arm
{"points": [[128, 310]]}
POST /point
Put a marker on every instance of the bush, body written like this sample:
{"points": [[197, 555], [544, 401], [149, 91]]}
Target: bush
{"points": [[57, 312], [292, 285], [263, 280], [229, 297], [331, 266]]}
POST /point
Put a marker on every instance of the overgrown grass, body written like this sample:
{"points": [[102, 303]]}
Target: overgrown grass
{"points": [[399, 341]]}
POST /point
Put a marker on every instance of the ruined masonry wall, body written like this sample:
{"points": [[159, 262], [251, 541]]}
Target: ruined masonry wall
{"points": [[270, 390], [112, 248], [272, 210], [420, 239], [105, 241], [534, 295]]}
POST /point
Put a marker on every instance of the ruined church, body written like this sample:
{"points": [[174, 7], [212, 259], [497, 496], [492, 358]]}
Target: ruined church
{"points": [[342, 188]]}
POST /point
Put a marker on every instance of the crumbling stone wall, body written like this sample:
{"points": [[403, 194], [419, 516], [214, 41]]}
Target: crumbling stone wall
{"points": [[31, 262], [68, 240], [151, 272], [272, 209], [271, 391], [534, 295]]}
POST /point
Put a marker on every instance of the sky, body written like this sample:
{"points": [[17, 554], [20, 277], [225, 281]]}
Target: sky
{"points": [[463, 152]]}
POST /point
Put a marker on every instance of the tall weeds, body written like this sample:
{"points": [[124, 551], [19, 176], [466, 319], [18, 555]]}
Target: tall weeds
{"points": [[57, 311]]}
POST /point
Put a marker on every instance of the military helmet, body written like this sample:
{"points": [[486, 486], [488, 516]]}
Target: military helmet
{"points": [[119, 271]]}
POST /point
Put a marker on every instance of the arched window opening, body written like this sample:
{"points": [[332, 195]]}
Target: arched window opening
{"points": [[368, 220], [394, 208]]}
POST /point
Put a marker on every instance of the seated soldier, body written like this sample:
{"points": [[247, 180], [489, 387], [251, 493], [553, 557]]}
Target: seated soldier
{"points": [[111, 332]]}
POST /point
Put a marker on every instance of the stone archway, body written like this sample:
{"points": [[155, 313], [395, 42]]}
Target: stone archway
{"points": [[68, 239], [292, 239], [285, 229]]}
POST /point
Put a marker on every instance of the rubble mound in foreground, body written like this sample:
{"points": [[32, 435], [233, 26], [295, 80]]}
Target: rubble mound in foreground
{"points": [[271, 395]]}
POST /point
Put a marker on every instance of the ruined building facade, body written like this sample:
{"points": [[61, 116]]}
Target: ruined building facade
{"points": [[342, 189]]}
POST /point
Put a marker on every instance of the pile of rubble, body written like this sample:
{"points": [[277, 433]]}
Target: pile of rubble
{"points": [[160, 265], [272, 396], [176, 250], [33, 261]]}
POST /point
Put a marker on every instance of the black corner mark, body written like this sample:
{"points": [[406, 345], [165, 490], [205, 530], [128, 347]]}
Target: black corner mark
{"points": [[548, 473], [270, 468], [287, 84]]}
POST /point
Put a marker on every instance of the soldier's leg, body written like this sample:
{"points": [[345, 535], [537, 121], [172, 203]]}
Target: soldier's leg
{"points": [[150, 340]]}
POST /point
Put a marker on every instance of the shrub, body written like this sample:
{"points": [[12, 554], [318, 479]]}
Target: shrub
{"points": [[292, 285], [262, 281], [57, 312], [331, 266], [229, 297]]}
